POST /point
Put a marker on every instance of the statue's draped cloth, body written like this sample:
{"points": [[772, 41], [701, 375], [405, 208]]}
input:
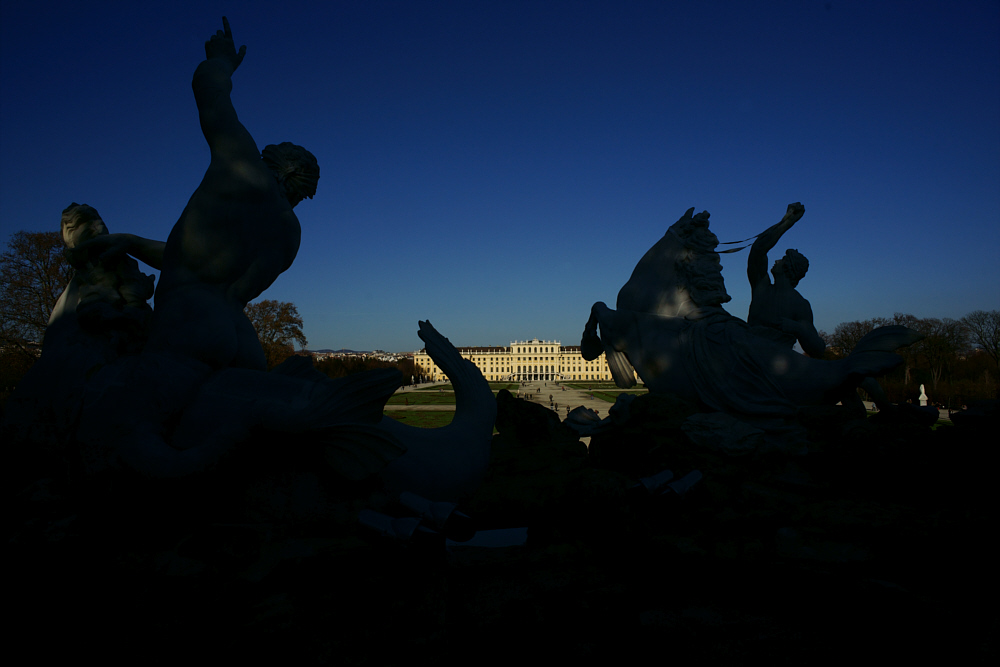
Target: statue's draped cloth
{"points": [[732, 369]]}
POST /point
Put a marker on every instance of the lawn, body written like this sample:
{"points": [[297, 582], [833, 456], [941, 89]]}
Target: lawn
{"points": [[602, 386], [612, 396], [416, 398], [495, 386], [422, 419]]}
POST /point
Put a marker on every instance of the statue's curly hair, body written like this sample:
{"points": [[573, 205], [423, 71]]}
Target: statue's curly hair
{"points": [[795, 265], [77, 213], [697, 264], [295, 168]]}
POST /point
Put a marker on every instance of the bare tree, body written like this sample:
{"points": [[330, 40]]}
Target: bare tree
{"points": [[943, 341], [984, 330], [278, 325], [847, 334], [33, 273]]}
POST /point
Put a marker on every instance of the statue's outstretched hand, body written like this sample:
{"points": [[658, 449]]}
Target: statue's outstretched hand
{"points": [[103, 248], [795, 212], [221, 45]]}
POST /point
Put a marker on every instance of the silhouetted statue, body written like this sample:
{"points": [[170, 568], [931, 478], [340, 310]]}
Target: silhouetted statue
{"points": [[101, 315], [671, 328], [236, 235], [103, 287], [778, 309], [199, 387], [174, 413]]}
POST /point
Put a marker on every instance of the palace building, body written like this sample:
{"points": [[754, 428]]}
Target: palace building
{"points": [[529, 360]]}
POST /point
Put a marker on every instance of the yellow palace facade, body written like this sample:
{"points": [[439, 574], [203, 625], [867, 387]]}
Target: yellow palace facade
{"points": [[523, 361]]}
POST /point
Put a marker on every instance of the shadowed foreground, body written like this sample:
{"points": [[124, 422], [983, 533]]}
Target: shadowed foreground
{"points": [[874, 544]]}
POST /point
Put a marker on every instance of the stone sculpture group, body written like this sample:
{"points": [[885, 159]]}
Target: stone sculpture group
{"points": [[173, 392], [671, 329]]}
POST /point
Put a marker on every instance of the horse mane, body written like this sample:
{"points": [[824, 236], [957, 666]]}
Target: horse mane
{"points": [[679, 274]]}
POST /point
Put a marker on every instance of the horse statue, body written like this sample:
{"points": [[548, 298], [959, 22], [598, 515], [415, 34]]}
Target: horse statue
{"points": [[670, 328]]}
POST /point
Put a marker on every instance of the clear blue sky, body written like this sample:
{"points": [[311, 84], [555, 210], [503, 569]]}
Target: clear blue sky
{"points": [[496, 167]]}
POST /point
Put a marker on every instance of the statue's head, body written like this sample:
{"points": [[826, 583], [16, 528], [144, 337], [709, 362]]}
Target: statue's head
{"points": [[80, 223], [698, 264], [793, 265], [295, 168]]}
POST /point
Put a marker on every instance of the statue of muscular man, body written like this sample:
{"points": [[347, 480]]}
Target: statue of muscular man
{"points": [[777, 310], [199, 387], [236, 235]]}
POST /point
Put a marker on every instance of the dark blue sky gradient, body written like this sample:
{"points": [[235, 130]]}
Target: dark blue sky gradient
{"points": [[496, 167]]}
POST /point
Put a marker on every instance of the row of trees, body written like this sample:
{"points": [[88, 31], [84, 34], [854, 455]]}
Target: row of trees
{"points": [[279, 327], [336, 367], [958, 360]]}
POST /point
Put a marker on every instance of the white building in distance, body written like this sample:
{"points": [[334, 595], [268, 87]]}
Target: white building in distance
{"points": [[529, 360]]}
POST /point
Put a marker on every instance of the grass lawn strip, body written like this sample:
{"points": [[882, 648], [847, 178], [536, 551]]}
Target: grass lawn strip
{"points": [[494, 386], [413, 398], [601, 386], [422, 419], [612, 396], [408, 398]]}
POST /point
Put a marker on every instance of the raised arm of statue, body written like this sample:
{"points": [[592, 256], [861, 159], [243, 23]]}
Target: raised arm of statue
{"points": [[212, 85], [757, 262]]}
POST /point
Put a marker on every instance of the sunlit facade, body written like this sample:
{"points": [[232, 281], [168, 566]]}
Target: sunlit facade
{"points": [[523, 361]]}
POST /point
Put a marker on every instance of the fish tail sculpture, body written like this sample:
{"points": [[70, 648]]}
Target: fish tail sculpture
{"points": [[875, 352], [447, 463], [342, 415], [346, 420]]}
